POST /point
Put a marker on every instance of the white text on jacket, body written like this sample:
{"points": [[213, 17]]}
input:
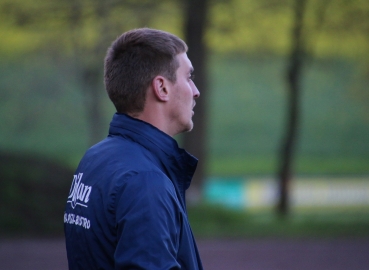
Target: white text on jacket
{"points": [[79, 193]]}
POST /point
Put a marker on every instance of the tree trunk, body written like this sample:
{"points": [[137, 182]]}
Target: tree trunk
{"points": [[293, 81], [93, 96], [93, 74], [195, 141]]}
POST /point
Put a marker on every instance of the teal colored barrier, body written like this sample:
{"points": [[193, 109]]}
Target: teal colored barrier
{"points": [[229, 193]]}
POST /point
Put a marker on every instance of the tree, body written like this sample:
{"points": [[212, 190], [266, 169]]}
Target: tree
{"points": [[294, 88], [80, 31], [88, 62], [195, 141], [344, 17]]}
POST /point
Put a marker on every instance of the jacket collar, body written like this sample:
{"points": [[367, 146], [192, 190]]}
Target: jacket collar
{"points": [[179, 164]]}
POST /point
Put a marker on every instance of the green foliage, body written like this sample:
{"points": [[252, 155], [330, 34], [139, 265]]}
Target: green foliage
{"points": [[247, 97], [209, 221], [79, 28], [247, 106], [43, 111], [331, 28], [33, 194]]}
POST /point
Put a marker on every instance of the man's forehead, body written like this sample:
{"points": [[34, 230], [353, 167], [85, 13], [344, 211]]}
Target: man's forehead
{"points": [[185, 62]]}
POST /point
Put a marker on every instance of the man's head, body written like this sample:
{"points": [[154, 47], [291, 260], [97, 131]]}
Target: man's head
{"points": [[134, 60]]}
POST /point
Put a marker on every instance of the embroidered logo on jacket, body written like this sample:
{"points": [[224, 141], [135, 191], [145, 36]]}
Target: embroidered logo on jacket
{"points": [[79, 193]]}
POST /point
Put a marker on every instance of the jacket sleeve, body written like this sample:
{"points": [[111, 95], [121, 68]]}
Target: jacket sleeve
{"points": [[148, 223]]}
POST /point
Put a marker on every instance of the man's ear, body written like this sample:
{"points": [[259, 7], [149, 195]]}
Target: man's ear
{"points": [[160, 88]]}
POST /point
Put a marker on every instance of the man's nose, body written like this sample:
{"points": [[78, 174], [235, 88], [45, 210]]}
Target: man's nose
{"points": [[196, 92]]}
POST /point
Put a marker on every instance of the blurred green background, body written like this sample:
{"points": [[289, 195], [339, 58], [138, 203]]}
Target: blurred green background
{"points": [[45, 125]]}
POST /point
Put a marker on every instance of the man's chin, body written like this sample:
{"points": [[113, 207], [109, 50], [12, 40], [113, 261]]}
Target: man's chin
{"points": [[188, 127]]}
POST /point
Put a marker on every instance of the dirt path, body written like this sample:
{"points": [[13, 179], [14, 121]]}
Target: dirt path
{"points": [[265, 254]]}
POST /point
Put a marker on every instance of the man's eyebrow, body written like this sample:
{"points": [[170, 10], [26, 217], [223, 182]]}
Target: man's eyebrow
{"points": [[192, 70]]}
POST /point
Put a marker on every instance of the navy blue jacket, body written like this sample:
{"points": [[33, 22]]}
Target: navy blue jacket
{"points": [[126, 206]]}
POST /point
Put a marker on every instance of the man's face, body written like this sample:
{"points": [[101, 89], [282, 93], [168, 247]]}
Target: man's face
{"points": [[183, 96]]}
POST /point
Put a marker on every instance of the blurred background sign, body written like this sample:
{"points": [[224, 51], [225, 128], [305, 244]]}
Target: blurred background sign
{"points": [[255, 193]]}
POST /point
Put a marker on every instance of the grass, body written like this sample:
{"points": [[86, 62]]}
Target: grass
{"points": [[46, 115], [238, 165], [247, 109], [209, 221]]}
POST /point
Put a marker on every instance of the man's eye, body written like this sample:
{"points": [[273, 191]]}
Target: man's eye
{"points": [[192, 77]]}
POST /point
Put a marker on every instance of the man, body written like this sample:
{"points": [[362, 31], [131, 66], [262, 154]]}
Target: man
{"points": [[126, 207]]}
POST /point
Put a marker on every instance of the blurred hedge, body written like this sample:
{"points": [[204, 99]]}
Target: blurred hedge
{"points": [[32, 195]]}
